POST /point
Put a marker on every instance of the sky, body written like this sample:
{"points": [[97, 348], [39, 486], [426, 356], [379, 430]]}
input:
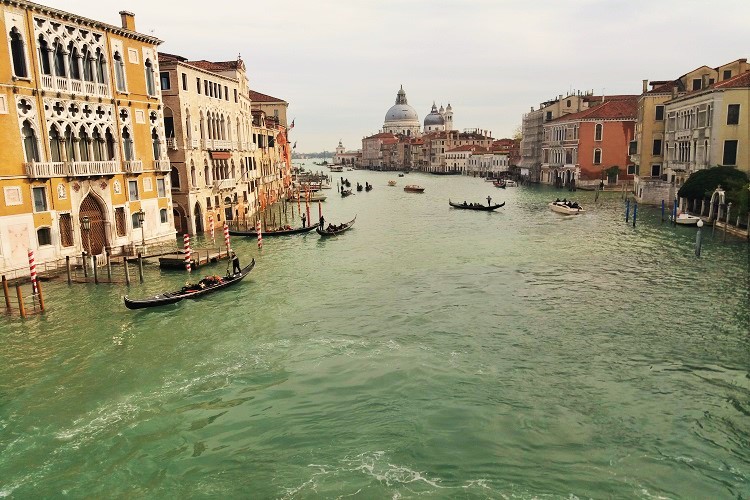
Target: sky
{"points": [[339, 63]]}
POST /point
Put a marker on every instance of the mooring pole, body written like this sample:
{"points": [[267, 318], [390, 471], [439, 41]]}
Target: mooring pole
{"points": [[21, 308], [627, 210], [127, 271], [85, 263], [635, 212], [140, 267], [726, 222], [674, 212], [109, 267], [96, 272], [662, 211], [67, 269], [698, 241], [6, 292], [41, 295]]}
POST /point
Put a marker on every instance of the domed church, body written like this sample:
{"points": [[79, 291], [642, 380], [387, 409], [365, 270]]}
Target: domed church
{"points": [[438, 120], [401, 118]]}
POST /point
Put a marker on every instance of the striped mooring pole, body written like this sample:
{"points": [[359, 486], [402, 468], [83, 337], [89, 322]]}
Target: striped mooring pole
{"points": [[226, 238], [32, 270], [188, 253], [260, 235]]}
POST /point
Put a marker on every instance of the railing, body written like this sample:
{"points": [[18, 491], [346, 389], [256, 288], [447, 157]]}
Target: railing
{"points": [[50, 82], [133, 166], [219, 144], [195, 143], [229, 183], [172, 143], [70, 169], [162, 165]]}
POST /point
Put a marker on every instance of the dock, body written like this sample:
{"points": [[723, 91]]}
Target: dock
{"points": [[200, 257]]}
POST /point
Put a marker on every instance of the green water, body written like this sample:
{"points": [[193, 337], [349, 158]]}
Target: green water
{"points": [[427, 352]]}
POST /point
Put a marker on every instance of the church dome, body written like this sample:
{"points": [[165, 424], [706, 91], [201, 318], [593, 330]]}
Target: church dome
{"points": [[434, 118], [401, 112]]}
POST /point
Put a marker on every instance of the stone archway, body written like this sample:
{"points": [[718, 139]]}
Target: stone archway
{"points": [[95, 239], [180, 221]]}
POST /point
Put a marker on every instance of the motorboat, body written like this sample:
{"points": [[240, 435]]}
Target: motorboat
{"points": [[687, 219], [510, 183], [413, 188], [391, 183], [566, 207]]}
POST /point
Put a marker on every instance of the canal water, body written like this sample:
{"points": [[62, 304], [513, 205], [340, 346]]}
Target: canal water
{"points": [[427, 352]]}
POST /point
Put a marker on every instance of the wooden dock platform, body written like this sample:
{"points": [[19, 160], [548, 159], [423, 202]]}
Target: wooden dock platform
{"points": [[200, 257]]}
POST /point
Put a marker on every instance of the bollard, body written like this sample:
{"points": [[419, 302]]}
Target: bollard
{"points": [[140, 267], [21, 308], [96, 273], [698, 239], [627, 210], [127, 271], [662, 211], [635, 212], [6, 292], [85, 263], [67, 269], [41, 296], [109, 267]]}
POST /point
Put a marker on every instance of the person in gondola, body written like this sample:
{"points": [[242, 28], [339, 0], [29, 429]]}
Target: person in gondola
{"points": [[304, 220], [322, 222], [489, 201], [557, 200], [235, 263], [464, 202]]}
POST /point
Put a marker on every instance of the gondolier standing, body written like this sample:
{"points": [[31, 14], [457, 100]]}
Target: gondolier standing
{"points": [[304, 220], [322, 221], [489, 201], [235, 263]]}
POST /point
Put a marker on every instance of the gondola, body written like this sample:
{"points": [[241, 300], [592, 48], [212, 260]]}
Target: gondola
{"points": [[368, 187], [334, 232], [345, 192], [477, 206], [359, 187], [203, 287], [280, 232]]}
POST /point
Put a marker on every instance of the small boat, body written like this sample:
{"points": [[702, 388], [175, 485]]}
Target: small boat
{"points": [[336, 169], [332, 230], [359, 187], [499, 184], [511, 183], [687, 219], [302, 197], [566, 208], [475, 206], [400, 175], [278, 232], [368, 187], [391, 183], [349, 169], [413, 188], [345, 192], [203, 287]]}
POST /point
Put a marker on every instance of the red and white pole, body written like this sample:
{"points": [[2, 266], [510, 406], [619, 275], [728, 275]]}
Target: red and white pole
{"points": [[320, 210], [226, 238], [211, 227], [32, 270], [260, 235], [299, 196], [188, 252]]}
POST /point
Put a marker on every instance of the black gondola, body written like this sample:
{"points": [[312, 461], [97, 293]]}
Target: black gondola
{"points": [[280, 232], [345, 192], [334, 230], [204, 287], [359, 187], [368, 187], [475, 206]]}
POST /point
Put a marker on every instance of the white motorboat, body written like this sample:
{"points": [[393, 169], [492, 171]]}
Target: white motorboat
{"points": [[687, 219], [566, 208], [511, 184]]}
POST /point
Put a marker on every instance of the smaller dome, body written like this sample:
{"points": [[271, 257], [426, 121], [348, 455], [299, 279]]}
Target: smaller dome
{"points": [[434, 118]]}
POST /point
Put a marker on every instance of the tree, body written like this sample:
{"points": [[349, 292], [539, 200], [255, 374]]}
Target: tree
{"points": [[518, 133], [702, 184]]}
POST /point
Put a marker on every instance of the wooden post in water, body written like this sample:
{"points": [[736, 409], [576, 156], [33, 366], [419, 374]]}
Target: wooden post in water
{"points": [[703, 207], [127, 271], [718, 217], [627, 210], [109, 267], [662, 211], [748, 225], [635, 212], [96, 272], [41, 295], [21, 308], [726, 222], [85, 262], [140, 267], [67, 269], [6, 292]]}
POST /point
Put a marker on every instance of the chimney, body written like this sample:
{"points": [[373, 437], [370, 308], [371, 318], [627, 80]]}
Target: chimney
{"points": [[645, 86], [128, 20], [674, 91], [704, 81]]}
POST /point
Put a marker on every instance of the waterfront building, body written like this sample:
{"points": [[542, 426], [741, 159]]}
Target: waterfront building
{"points": [[344, 157], [457, 159], [372, 155], [488, 163], [587, 147], [654, 181], [208, 121], [83, 162], [436, 144]]}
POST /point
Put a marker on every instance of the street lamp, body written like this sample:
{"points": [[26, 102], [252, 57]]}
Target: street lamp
{"points": [[142, 217]]}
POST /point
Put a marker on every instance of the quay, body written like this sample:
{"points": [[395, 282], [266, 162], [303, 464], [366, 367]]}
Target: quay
{"points": [[200, 257]]}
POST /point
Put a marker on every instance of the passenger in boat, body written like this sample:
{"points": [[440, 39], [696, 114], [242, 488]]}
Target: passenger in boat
{"points": [[235, 263], [557, 200], [304, 220], [464, 202]]}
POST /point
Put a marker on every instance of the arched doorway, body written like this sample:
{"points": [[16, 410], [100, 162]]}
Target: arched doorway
{"points": [[180, 221], [198, 219], [228, 215], [95, 239]]}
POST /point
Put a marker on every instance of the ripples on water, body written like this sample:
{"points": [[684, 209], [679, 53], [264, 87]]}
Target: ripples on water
{"points": [[428, 351]]}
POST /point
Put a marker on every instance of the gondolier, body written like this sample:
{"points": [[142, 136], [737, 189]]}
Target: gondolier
{"points": [[322, 221], [304, 220], [489, 201], [235, 263]]}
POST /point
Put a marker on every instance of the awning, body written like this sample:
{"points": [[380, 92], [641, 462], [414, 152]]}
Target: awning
{"points": [[221, 155]]}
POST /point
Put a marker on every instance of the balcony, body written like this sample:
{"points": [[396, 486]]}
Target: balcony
{"points": [[223, 184], [162, 165], [46, 170], [133, 167], [195, 143], [62, 84], [172, 143]]}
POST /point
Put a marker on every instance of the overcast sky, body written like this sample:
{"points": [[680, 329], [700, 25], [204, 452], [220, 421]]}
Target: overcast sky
{"points": [[339, 63]]}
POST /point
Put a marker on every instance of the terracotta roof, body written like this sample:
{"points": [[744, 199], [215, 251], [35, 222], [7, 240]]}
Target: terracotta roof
{"points": [[381, 135], [258, 97], [739, 81], [622, 109], [165, 57], [465, 147], [666, 87]]}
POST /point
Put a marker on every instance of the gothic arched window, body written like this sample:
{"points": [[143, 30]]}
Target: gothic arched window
{"points": [[127, 144], [18, 54], [119, 72], [30, 146], [150, 88]]}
